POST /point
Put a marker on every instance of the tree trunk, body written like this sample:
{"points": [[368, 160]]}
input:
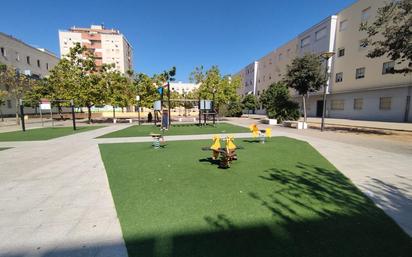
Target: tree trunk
{"points": [[114, 113], [1, 114], [17, 112], [304, 108], [89, 114]]}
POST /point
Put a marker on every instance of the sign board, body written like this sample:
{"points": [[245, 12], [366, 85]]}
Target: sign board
{"points": [[157, 106], [45, 104], [205, 104]]}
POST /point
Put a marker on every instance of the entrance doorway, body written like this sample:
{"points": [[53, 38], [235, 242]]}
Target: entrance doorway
{"points": [[319, 108]]}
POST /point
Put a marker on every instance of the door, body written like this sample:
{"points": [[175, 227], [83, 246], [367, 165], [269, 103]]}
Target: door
{"points": [[319, 108]]}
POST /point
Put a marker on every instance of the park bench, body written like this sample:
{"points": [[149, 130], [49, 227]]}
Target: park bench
{"points": [[295, 124], [115, 120]]}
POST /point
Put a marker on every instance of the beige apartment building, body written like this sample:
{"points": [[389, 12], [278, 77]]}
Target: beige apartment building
{"points": [[27, 60], [109, 46], [358, 87]]}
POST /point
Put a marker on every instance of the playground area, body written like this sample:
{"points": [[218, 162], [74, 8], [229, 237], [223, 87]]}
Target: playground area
{"points": [[279, 198]]}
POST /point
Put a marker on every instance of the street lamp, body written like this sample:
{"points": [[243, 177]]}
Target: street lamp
{"points": [[326, 56], [138, 108], [213, 106]]}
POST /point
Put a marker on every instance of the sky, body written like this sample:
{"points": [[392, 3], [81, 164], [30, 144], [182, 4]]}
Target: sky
{"points": [[181, 33]]}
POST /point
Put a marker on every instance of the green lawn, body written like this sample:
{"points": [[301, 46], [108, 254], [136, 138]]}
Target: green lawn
{"points": [[43, 133], [281, 198], [181, 129]]}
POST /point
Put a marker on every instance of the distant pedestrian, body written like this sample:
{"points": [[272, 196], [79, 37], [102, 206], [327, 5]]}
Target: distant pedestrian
{"points": [[149, 117]]}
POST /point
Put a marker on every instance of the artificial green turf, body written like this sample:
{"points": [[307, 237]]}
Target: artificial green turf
{"points": [[281, 198], [43, 133], [180, 129]]}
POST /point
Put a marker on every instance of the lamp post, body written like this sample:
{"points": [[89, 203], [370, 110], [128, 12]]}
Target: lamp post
{"points": [[213, 106], [138, 108], [326, 56]]}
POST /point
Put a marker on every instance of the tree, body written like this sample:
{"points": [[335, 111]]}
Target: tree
{"points": [[119, 89], [76, 77], [234, 109], [250, 102], [3, 95], [391, 34], [278, 104], [146, 89], [17, 84], [305, 75], [212, 82]]}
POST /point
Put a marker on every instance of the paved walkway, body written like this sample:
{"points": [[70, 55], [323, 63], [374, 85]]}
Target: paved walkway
{"points": [[55, 198], [380, 125]]}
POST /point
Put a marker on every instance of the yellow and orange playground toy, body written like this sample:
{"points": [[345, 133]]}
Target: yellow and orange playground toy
{"points": [[215, 147], [262, 134], [227, 154]]}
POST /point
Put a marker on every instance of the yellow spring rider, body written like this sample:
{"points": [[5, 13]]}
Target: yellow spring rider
{"points": [[261, 134], [227, 154]]}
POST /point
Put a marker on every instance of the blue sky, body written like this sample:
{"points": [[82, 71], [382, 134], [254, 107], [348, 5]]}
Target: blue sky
{"points": [[184, 33]]}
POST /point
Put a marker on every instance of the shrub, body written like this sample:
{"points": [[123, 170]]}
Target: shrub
{"points": [[278, 104]]}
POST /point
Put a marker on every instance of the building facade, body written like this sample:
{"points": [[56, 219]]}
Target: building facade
{"points": [[109, 46], [27, 60], [358, 87]]}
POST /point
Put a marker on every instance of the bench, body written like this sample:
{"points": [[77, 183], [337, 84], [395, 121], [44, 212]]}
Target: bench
{"points": [[295, 124], [120, 119]]}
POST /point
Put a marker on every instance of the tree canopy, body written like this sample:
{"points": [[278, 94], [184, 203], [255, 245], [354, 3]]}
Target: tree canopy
{"points": [[390, 34], [305, 75], [212, 82]]}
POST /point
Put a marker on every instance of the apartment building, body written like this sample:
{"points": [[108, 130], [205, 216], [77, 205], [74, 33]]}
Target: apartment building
{"points": [[27, 60], [109, 46], [358, 87]]}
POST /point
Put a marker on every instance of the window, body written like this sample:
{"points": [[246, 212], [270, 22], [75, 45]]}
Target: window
{"points": [[341, 52], [343, 25], [9, 104], [3, 51], [388, 67], [337, 104], [365, 14], [38, 63], [47, 66], [28, 59], [339, 77], [280, 57], [385, 103], [305, 42], [363, 44], [321, 34], [358, 103], [360, 73]]}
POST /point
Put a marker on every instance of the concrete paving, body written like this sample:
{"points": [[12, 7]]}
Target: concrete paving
{"points": [[55, 198]]}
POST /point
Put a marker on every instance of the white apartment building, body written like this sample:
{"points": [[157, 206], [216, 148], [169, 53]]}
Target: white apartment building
{"points": [[27, 60], [358, 87], [183, 88], [109, 46]]}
